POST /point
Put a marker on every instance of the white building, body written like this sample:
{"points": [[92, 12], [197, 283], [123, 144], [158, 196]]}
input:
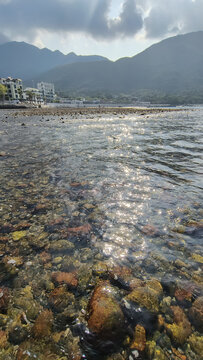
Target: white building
{"points": [[33, 95], [47, 91], [14, 88]]}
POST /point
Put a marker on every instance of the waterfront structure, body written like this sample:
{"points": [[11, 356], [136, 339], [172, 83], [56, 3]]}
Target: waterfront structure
{"points": [[14, 88], [47, 91]]}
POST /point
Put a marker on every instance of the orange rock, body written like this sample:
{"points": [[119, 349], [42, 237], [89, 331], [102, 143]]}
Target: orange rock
{"points": [[105, 315], [139, 342], [178, 354], [182, 294], [84, 229], [43, 324], [67, 278]]}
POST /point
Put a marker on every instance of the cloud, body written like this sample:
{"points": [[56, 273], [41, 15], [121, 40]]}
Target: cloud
{"points": [[28, 18], [174, 16], [87, 16]]}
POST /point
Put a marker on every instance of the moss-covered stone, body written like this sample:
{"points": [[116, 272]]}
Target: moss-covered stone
{"points": [[145, 297]]}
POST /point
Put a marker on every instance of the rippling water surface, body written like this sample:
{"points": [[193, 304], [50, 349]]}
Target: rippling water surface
{"points": [[107, 199]]}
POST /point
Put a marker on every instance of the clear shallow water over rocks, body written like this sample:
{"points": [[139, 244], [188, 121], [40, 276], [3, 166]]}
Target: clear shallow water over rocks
{"points": [[101, 236]]}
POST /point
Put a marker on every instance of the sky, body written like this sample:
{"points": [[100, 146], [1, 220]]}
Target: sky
{"points": [[112, 28]]}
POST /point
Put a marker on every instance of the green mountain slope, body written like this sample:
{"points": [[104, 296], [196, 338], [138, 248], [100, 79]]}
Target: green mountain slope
{"points": [[174, 64], [22, 60]]}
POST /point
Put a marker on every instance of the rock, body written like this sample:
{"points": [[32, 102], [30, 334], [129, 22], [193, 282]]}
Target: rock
{"points": [[60, 299], [183, 294], [106, 318], [198, 258], [43, 324], [196, 313], [17, 334], [100, 269], [139, 341], [4, 299], [180, 264], [180, 329], [178, 354], [155, 285], [159, 354], [149, 230], [61, 246], [136, 283], [150, 348], [88, 206], [45, 257], [2, 153], [22, 226], [3, 339], [196, 343], [145, 297], [69, 279], [18, 235], [24, 301], [165, 304], [6, 228], [84, 229]]}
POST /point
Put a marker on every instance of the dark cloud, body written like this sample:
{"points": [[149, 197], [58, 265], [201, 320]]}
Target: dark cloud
{"points": [[130, 20], [90, 16], [23, 18]]}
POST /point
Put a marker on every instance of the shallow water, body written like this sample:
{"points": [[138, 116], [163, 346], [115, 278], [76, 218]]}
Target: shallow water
{"points": [[126, 192]]}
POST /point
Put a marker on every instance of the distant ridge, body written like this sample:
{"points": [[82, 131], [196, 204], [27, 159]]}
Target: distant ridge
{"points": [[25, 61], [172, 65]]}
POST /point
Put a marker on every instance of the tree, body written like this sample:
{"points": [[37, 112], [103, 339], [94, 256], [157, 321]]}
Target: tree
{"points": [[30, 94], [3, 91]]}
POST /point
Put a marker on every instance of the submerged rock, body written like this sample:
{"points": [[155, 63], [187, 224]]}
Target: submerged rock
{"points": [[43, 324], [60, 299], [196, 343], [106, 318], [139, 341], [180, 329], [196, 313], [83, 229], [69, 279], [18, 235], [18, 334], [4, 299], [145, 297]]}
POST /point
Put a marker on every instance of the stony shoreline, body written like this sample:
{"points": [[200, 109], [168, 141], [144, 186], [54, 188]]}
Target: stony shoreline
{"points": [[61, 296], [88, 111]]}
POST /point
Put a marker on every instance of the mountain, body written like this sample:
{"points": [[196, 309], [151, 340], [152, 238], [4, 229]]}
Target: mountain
{"points": [[172, 65], [25, 61]]}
